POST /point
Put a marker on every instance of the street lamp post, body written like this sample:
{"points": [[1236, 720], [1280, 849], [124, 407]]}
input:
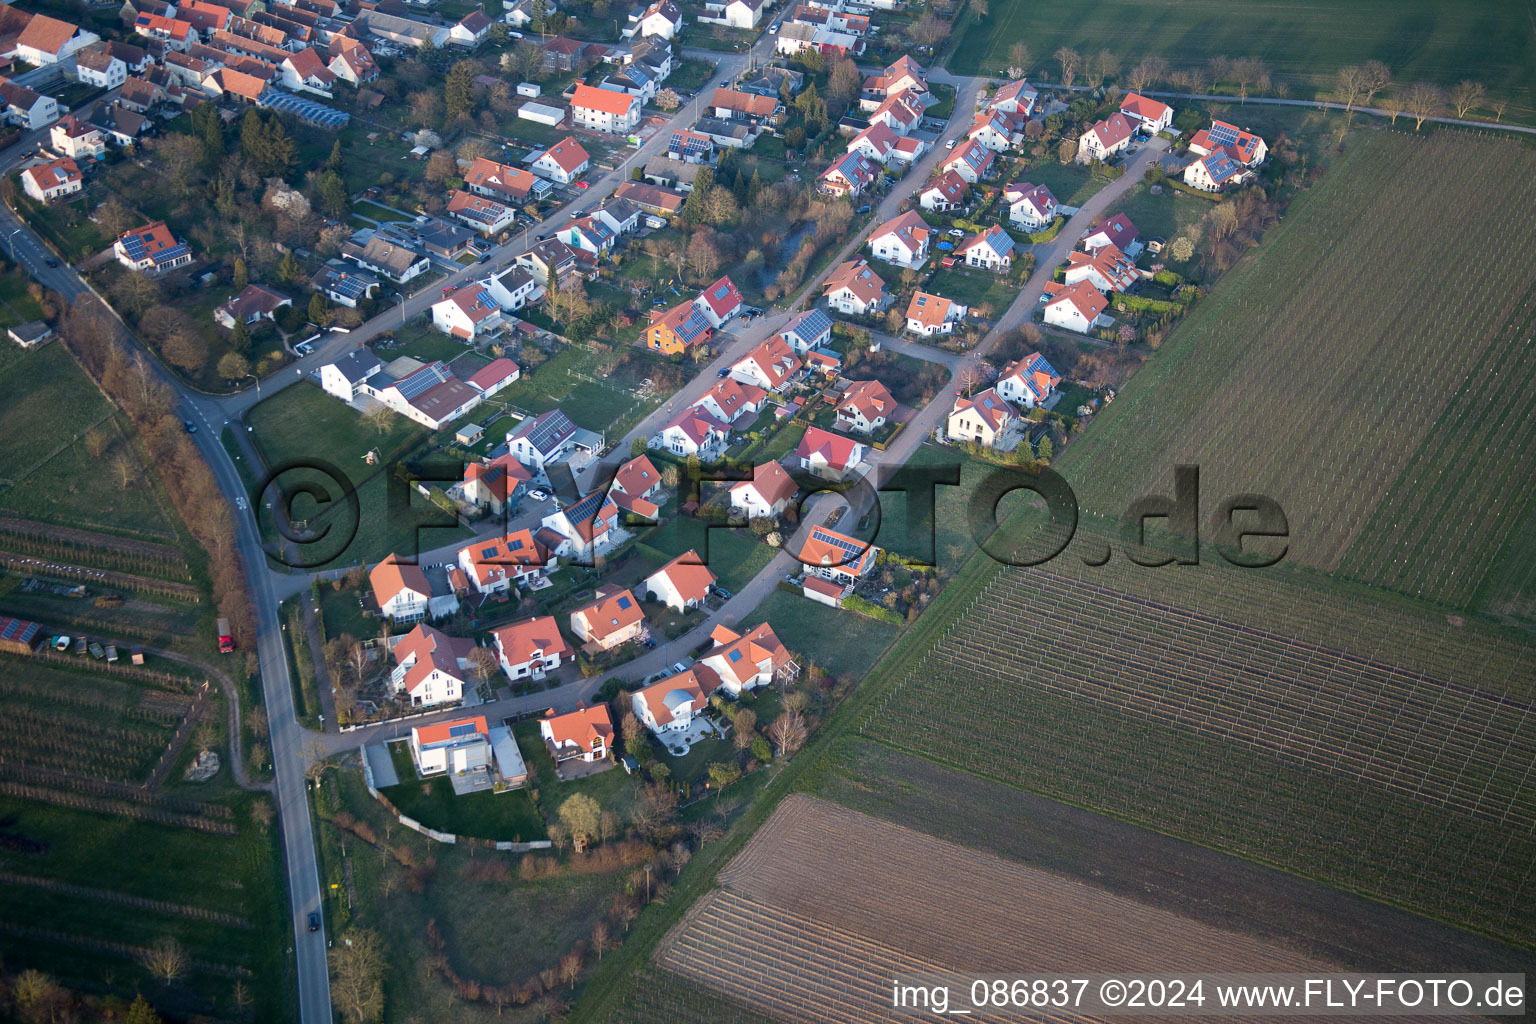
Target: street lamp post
{"points": [[401, 298], [10, 241], [258, 384]]}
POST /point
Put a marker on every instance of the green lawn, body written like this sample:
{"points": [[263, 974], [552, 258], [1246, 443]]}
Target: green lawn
{"points": [[340, 613], [614, 789], [1304, 44], [974, 288], [16, 306], [690, 75], [507, 816], [303, 422], [841, 642], [1071, 184], [1162, 216], [733, 555], [420, 340]]}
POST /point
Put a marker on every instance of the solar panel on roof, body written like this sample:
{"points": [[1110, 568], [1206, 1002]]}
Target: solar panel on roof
{"points": [[625, 603], [844, 544], [1222, 134], [735, 656], [463, 729]]}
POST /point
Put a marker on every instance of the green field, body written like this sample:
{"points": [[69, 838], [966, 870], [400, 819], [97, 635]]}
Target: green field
{"points": [[1303, 44], [303, 422]]}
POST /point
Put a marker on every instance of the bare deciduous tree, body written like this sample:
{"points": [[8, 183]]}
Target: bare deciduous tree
{"points": [[1070, 60], [1350, 85], [1422, 101], [1465, 95], [357, 977], [166, 960], [1019, 59], [1377, 77], [788, 732]]}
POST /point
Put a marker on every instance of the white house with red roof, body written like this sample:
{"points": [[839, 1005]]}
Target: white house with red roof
{"points": [[490, 485], [682, 583], [613, 618], [481, 213], [497, 564], [745, 661], [730, 401], [902, 240], [899, 76], [637, 478], [1105, 138], [603, 110], [494, 376], [719, 302], [254, 304], [944, 193], [46, 40], [531, 648], [901, 112], [1243, 148], [468, 313], [1117, 231], [855, 289], [53, 180], [876, 143], [991, 249], [1075, 307], [992, 129], [151, 249], [836, 556], [1215, 172], [827, 455], [1030, 207], [471, 30], [865, 406], [929, 314], [77, 140], [584, 529], [306, 71], [431, 667], [971, 160], [769, 366], [849, 175], [564, 162], [1028, 382], [404, 592], [585, 734], [460, 747], [1150, 114], [767, 494], [1106, 268], [984, 418], [1015, 98], [670, 706], [693, 431]]}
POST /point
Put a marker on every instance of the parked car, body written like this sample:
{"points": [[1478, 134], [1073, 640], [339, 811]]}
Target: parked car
{"points": [[950, 144], [681, 666], [722, 593], [538, 494], [51, 261], [449, 289], [190, 427], [485, 257], [724, 371], [956, 233], [582, 184]]}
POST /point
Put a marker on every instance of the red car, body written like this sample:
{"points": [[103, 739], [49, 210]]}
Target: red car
{"points": [[582, 184], [449, 290]]}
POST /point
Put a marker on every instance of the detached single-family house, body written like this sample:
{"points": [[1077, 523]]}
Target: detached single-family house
{"points": [[457, 747], [539, 440], [854, 289], [1075, 307], [253, 305], [585, 734], [1215, 172], [405, 594], [343, 377], [53, 180], [1028, 382], [603, 110], [491, 485], [584, 529], [992, 129], [494, 376], [1106, 138], [431, 667], [865, 406], [531, 648], [151, 249], [827, 455], [808, 330], [902, 240], [678, 329], [899, 76], [395, 262], [77, 140], [733, 105], [991, 250], [471, 30], [1241, 147], [481, 213], [26, 108], [671, 704], [769, 366], [1150, 114], [1030, 207], [1015, 98], [971, 160], [929, 314], [564, 162], [731, 401], [307, 71], [849, 175], [720, 301], [681, 584], [497, 564], [662, 19], [983, 418], [95, 66], [1106, 268], [693, 431], [744, 661], [1117, 231], [467, 313], [344, 287], [612, 619], [836, 556], [767, 494], [503, 182], [945, 193]]}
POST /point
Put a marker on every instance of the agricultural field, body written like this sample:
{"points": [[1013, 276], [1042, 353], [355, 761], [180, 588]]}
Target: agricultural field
{"points": [[1351, 439], [1258, 727], [831, 930], [1303, 44]]}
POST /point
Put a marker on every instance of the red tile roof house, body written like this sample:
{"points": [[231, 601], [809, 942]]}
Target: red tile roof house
{"points": [[614, 618], [603, 110], [1107, 269], [827, 455], [1028, 382], [836, 556], [252, 305], [637, 478], [489, 485], [929, 314], [730, 401], [672, 704], [985, 419], [404, 594], [719, 302], [681, 584], [745, 661], [495, 375], [481, 213], [151, 249], [501, 182], [587, 528], [48, 40], [497, 564], [1117, 231], [471, 30], [531, 648], [769, 366], [468, 313], [1075, 307], [564, 162], [585, 734], [1031, 207], [902, 240], [693, 431], [767, 494], [853, 288], [1152, 115], [944, 193], [865, 406], [431, 667], [459, 746], [50, 181], [1103, 140], [991, 249]]}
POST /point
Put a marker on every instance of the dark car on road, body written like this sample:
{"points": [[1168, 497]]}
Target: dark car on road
{"points": [[314, 920]]}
